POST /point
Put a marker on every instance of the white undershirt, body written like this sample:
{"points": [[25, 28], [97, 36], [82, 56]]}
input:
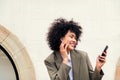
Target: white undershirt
{"points": [[70, 64]]}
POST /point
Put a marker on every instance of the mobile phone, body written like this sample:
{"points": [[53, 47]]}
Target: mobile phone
{"points": [[105, 49]]}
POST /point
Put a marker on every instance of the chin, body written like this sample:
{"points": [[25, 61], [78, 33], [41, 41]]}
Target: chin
{"points": [[71, 49]]}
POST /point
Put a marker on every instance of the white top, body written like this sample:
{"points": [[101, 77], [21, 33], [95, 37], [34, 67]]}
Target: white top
{"points": [[70, 64]]}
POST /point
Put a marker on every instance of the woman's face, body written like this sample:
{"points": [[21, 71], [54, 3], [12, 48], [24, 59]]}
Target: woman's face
{"points": [[70, 39]]}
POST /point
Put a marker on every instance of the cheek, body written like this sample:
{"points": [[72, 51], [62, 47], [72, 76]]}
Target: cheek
{"points": [[67, 40]]}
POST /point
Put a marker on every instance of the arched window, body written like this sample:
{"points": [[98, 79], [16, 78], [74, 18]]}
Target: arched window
{"points": [[15, 62], [8, 70]]}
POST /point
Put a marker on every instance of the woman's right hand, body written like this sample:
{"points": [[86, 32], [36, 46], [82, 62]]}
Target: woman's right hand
{"points": [[63, 52]]}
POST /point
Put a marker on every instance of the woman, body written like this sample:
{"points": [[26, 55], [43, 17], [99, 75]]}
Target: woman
{"points": [[65, 62]]}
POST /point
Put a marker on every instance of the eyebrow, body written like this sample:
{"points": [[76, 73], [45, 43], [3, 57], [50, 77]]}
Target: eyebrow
{"points": [[72, 34]]}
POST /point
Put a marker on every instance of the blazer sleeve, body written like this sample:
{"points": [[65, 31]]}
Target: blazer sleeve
{"points": [[94, 75], [57, 74]]}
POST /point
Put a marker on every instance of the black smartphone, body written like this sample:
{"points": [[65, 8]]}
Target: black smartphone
{"points": [[105, 49]]}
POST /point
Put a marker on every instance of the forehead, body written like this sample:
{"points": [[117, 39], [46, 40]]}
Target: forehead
{"points": [[71, 33]]}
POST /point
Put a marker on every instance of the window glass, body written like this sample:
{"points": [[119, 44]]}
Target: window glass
{"points": [[6, 69]]}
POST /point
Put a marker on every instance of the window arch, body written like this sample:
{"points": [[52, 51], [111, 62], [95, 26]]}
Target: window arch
{"points": [[17, 55]]}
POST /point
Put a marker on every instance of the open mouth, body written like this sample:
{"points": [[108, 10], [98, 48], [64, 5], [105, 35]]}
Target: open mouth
{"points": [[72, 44]]}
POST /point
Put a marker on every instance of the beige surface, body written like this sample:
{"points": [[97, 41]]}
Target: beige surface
{"points": [[117, 72], [18, 53]]}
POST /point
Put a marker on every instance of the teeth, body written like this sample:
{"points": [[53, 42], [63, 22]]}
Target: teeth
{"points": [[72, 44]]}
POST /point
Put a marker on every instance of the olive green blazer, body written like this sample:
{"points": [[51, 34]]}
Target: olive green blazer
{"points": [[81, 66]]}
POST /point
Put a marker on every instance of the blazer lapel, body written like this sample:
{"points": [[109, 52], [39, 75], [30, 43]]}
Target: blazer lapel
{"points": [[75, 65], [58, 59]]}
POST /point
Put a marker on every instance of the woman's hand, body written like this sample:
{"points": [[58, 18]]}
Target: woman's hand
{"points": [[63, 51], [100, 61]]}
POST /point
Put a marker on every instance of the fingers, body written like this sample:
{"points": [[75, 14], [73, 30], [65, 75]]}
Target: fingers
{"points": [[64, 45], [101, 61], [104, 54], [102, 58], [63, 49], [63, 52]]}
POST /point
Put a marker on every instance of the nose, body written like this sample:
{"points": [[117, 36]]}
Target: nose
{"points": [[74, 40]]}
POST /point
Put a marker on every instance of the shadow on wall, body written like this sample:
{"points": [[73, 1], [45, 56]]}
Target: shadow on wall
{"points": [[117, 72], [17, 54]]}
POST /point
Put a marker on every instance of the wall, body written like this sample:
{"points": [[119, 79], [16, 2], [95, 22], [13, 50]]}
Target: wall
{"points": [[30, 20]]}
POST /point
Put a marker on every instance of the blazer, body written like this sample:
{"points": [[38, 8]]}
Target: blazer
{"points": [[81, 67]]}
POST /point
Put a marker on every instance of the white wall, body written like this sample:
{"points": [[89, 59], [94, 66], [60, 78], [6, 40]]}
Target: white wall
{"points": [[30, 20]]}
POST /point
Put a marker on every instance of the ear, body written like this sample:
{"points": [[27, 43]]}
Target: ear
{"points": [[61, 39]]}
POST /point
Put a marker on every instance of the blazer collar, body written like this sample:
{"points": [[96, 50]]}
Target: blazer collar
{"points": [[58, 59], [75, 62]]}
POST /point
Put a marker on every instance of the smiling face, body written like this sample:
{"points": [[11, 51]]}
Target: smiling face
{"points": [[70, 39]]}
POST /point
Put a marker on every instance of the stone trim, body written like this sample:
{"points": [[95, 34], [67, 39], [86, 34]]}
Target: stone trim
{"points": [[18, 54]]}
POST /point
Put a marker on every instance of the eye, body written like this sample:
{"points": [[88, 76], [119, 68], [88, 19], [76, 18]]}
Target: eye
{"points": [[72, 36]]}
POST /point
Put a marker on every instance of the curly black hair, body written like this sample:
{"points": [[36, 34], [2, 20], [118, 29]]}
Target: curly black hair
{"points": [[59, 29]]}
